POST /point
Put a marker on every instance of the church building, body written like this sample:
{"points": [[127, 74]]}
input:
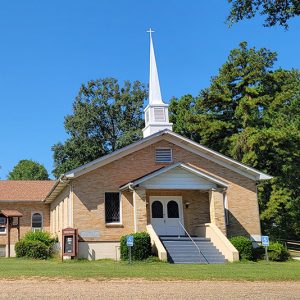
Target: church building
{"points": [[189, 198]]}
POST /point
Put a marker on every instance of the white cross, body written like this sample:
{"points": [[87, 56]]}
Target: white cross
{"points": [[150, 31]]}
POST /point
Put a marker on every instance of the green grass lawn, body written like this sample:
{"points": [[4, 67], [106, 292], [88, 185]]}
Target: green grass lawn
{"points": [[20, 268]]}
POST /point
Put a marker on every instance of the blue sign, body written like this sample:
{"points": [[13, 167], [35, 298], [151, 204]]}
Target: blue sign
{"points": [[129, 241], [265, 240]]}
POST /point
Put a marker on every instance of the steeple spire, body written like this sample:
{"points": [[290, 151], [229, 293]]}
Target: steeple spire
{"points": [[154, 87], [156, 112]]}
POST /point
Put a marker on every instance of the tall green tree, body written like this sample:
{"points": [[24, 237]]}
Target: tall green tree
{"points": [[276, 11], [251, 112], [105, 118], [28, 169]]}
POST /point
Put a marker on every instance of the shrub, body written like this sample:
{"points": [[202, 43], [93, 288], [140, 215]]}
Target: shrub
{"points": [[141, 246], [38, 244], [277, 252], [244, 246], [32, 249]]}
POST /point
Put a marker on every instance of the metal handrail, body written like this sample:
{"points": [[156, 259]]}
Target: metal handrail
{"points": [[200, 253]]}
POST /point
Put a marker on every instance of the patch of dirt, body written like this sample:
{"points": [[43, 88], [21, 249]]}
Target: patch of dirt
{"points": [[143, 289]]}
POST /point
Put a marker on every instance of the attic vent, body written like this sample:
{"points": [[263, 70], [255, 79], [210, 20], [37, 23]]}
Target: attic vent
{"points": [[159, 114], [163, 155]]}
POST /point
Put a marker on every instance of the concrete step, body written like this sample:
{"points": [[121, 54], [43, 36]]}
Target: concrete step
{"points": [[183, 250]]}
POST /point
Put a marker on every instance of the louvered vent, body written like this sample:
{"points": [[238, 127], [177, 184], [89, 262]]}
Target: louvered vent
{"points": [[159, 114], [163, 155]]}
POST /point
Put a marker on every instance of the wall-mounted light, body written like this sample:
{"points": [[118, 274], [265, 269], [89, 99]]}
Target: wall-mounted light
{"points": [[187, 204]]}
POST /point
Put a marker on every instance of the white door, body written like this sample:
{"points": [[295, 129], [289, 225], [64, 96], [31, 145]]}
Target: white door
{"points": [[166, 212]]}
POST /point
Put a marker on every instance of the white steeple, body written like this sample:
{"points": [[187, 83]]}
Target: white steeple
{"points": [[156, 112]]}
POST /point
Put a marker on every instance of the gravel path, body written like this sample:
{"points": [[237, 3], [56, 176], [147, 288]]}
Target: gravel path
{"points": [[142, 289]]}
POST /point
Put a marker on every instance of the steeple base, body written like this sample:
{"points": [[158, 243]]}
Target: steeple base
{"points": [[153, 128]]}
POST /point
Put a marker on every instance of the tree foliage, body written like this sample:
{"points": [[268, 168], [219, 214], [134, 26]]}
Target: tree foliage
{"points": [[252, 113], [276, 11], [28, 170], [105, 118]]}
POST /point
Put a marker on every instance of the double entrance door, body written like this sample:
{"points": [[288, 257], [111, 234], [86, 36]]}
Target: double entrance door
{"points": [[166, 212]]}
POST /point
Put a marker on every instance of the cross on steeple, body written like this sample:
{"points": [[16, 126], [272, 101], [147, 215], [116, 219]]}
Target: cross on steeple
{"points": [[150, 31]]}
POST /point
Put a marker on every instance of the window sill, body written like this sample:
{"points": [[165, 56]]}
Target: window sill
{"points": [[114, 225]]}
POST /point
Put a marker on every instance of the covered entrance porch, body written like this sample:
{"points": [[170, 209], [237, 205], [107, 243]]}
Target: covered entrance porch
{"points": [[179, 201]]}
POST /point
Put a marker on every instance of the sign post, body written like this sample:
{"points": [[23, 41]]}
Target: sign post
{"points": [[265, 242], [129, 243]]}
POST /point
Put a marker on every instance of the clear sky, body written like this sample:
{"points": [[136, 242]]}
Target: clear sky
{"points": [[49, 48]]}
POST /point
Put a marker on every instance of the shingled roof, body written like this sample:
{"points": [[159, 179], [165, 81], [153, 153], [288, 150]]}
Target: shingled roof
{"points": [[24, 190]]}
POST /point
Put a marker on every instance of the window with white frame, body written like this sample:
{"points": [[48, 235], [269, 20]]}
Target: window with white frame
{"points": [[3, 221], [112, 208], [36, 221], [163, 155]]}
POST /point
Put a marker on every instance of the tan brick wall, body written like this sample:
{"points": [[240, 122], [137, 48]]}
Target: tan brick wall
{"points": [[89, 192], [26, 208]]}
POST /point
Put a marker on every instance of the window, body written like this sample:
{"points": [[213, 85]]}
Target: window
{"points": [[172, 208], [36, 222], [163, 155], [2, 224], [157, 209], [112, 208]]}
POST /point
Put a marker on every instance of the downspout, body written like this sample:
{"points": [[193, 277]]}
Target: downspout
{"points": [[134, 206]]}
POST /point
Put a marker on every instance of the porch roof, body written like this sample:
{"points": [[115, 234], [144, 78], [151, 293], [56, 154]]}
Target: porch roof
{"points": [[10, 213], [205, 178]]}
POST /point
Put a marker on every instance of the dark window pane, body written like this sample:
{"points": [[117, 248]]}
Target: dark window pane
{"points": [[37, 221], [157, 209], [112, 207], [2, 229], [2, 220], [173, 211]]}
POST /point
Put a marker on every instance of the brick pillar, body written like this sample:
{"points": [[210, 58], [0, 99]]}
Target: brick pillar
{"points": [[140, 209], [216, 207]]}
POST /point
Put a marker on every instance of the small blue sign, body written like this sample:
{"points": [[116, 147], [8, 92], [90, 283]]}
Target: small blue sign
{"points": [[265, 240], [129, 241]]}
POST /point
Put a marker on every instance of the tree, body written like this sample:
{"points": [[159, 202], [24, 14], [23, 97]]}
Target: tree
{"points": [[105, 117], [276, 11], [252, 113], [28, 169]]}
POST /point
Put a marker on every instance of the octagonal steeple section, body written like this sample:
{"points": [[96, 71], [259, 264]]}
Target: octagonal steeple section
{"points": [[156, 112]]}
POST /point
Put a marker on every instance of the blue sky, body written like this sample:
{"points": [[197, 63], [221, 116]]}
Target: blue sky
{"points": [[49, 48]]}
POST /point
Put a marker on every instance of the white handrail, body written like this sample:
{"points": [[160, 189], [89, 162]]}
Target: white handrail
{"points": [[200, 253]]}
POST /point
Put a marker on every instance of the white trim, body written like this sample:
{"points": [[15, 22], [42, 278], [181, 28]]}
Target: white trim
{"points": [[170, 136], [37, 212], [120, 208], [166, 169]]}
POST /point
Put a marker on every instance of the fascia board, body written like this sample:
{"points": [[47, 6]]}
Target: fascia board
{"points": [[217, 157]]}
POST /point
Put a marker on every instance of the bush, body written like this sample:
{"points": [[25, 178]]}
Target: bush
{"points": [[32, 249], [38, 244], [141, 246], [244, 246], [277, 252]]}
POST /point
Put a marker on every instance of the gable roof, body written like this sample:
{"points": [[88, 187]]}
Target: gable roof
{"points": [[161, 135], [24, 190], [163, 170], [181, 142]]}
